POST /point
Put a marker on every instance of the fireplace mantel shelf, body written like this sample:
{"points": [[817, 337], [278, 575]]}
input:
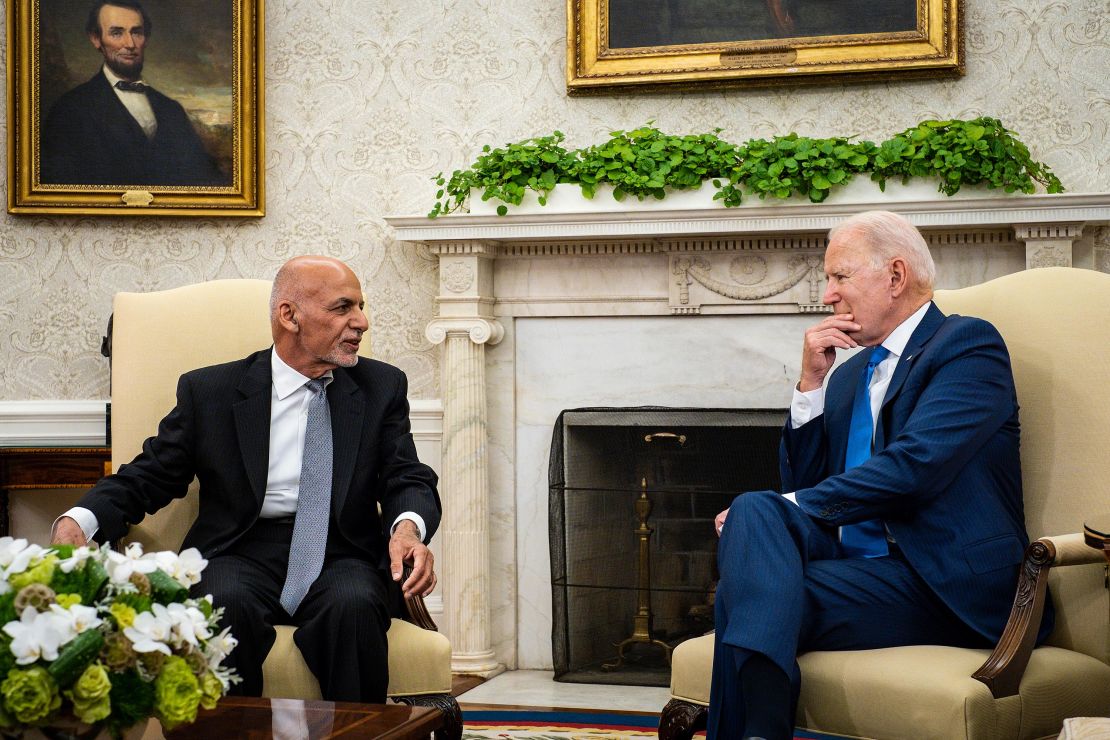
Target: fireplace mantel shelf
{"points": [[938, 213]]}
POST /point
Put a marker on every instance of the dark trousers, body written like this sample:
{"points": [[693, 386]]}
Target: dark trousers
{"points": [[784, 590], [341, 624]]}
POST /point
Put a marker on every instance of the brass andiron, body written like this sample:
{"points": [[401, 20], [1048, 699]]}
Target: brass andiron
{"points": [[642, 623]]}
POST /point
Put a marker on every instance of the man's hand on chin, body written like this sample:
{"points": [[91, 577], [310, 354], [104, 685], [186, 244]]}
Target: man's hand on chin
{"points": [[405, 547], [68, 532]]}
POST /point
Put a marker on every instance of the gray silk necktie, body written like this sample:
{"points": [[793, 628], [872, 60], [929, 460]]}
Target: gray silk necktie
{"points": [[310, 530]]}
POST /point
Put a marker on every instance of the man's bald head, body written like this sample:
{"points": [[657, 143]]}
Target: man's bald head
{"points": [[316, 314]]}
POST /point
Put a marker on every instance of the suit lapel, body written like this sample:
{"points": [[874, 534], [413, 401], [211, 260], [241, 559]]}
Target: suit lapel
{"points": [[347, 404], [252, 422], [930, 322], [114, 115]]}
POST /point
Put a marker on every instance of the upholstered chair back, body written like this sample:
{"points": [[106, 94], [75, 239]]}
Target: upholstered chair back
{"points": [[155, 338], [1056, 323]]}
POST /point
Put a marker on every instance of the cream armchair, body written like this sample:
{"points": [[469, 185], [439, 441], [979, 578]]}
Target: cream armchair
{"points": [[1056, 322], [157, 337]]}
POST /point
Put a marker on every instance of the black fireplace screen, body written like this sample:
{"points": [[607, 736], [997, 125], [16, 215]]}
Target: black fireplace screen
{"points": [[633, 494]]}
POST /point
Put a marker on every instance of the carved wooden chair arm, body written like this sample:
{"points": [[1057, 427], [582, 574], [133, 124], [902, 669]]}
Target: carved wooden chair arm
{"points": [[1004, 668], [416, 611]]}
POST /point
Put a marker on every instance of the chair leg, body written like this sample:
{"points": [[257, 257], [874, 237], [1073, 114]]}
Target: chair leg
{"points": [[452, 715], [679, 720]]}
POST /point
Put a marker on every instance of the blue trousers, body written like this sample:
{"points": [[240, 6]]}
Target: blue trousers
{"points": [[785, 590]]}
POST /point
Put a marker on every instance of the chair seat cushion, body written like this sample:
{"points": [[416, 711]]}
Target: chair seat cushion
{"points": [[419, 663], [922, 691]]}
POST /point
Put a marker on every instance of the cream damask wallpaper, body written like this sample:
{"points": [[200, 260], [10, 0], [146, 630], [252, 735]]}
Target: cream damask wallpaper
{"points": [[366, 100]]}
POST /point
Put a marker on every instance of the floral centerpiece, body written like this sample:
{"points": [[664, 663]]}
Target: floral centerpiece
{"points": [[96, 637]]}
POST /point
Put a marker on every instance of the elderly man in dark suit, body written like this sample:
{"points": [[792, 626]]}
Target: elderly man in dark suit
{"points": [[903, 520], [295, 447], [117, 130]]}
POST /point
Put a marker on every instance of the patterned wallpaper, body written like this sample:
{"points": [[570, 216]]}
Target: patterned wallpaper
{"points": [[367, 100]]}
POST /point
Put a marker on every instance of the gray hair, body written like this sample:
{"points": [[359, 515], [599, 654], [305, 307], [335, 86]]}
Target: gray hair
{"points": [[887, 235], [286, 286]]}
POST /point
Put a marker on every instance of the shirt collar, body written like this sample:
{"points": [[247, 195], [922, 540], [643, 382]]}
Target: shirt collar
{"points": [[900, 337], [288, 381], [113, 78]]}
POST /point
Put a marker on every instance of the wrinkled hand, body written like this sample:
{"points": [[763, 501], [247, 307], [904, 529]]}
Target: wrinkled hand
{"points": [[405, 547], [719, 522], [68, 532], [819, 349]]}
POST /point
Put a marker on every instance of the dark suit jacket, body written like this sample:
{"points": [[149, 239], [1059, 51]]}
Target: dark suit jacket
{"points": [[219, 432], [946, 474], [90, 138]]}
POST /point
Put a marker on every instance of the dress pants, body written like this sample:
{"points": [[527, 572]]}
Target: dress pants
{"points": [[784, 590], [341, 624]]}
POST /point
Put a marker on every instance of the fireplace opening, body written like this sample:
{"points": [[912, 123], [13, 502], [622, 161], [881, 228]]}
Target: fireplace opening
{"points": [[633, 494]]}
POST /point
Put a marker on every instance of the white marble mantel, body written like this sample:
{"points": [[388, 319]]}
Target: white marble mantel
{"points": [[539, 312]]}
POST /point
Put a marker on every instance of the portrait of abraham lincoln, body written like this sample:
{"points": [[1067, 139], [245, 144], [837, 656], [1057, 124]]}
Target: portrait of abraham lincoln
{"points": [[136, 93]]}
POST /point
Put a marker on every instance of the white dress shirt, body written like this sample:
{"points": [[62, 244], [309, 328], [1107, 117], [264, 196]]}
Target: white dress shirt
{"points": [[136, 103], [289, 399]]}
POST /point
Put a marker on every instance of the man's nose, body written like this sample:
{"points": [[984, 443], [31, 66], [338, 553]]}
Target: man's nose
{"points": [[831, 296], [360, 321]]}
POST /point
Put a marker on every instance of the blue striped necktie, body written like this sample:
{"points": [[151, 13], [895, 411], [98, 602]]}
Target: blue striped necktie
{"points": [[310, 529], [864, 539]]}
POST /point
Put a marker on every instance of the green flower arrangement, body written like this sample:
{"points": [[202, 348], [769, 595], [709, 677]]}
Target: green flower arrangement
{"points": [[106, 639]]}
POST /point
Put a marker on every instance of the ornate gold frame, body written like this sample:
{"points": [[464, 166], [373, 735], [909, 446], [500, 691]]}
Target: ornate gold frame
{"points": [[935, 49], [27, 194]]}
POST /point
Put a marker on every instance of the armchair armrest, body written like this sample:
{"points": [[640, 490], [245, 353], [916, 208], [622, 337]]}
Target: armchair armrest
{"points": [[416, 611], [1003, 670]]}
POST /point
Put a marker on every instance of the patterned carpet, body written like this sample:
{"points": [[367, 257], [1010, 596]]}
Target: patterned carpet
{"points": [[537, 724]]}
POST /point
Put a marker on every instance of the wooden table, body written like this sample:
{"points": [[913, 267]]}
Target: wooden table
{"points": [[245, 718], [25, 468]]}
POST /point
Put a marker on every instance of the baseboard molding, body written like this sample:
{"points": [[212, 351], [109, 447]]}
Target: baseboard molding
{"points": [[52, 423]]}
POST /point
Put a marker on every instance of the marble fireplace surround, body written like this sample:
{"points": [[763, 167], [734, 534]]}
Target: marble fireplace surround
{"points": [[542, 312]]}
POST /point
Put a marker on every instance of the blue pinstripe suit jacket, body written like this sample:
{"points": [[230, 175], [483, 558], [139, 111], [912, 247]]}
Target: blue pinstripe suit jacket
{"points": [[946, 473]]}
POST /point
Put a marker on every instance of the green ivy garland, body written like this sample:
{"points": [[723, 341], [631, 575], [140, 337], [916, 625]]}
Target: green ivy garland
{"points": [[647, 162]]}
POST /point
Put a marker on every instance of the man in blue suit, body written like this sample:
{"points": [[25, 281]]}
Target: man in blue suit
{"points": [[903, 520]]}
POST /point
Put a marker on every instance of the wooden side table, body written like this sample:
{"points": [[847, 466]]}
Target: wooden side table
{"points": [[25, 468]]}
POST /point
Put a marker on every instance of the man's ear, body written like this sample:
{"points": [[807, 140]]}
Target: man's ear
{"points": [[95, 40], [287, 316], [899, 276]]}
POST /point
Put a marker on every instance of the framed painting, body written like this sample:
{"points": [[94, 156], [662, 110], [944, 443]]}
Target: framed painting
{"points": [[669, 44], [135, 107]]}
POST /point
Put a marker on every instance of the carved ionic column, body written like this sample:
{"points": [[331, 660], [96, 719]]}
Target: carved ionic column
{"points": [[465, 326], [1048, 245]]}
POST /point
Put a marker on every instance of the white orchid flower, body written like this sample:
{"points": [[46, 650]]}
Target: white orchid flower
{"points": [[189, 624], [219, 647], [20, 558], [121, 565], [9, 548], [151, 631], [75, 620], [184, 568], [34, 637], [76, 560]]}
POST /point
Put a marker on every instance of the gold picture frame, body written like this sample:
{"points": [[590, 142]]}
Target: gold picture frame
{"points": [[629, 45], [194, 145]]}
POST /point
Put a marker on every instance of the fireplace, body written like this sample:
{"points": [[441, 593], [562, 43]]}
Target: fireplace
{"points": [[633, 494]]}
